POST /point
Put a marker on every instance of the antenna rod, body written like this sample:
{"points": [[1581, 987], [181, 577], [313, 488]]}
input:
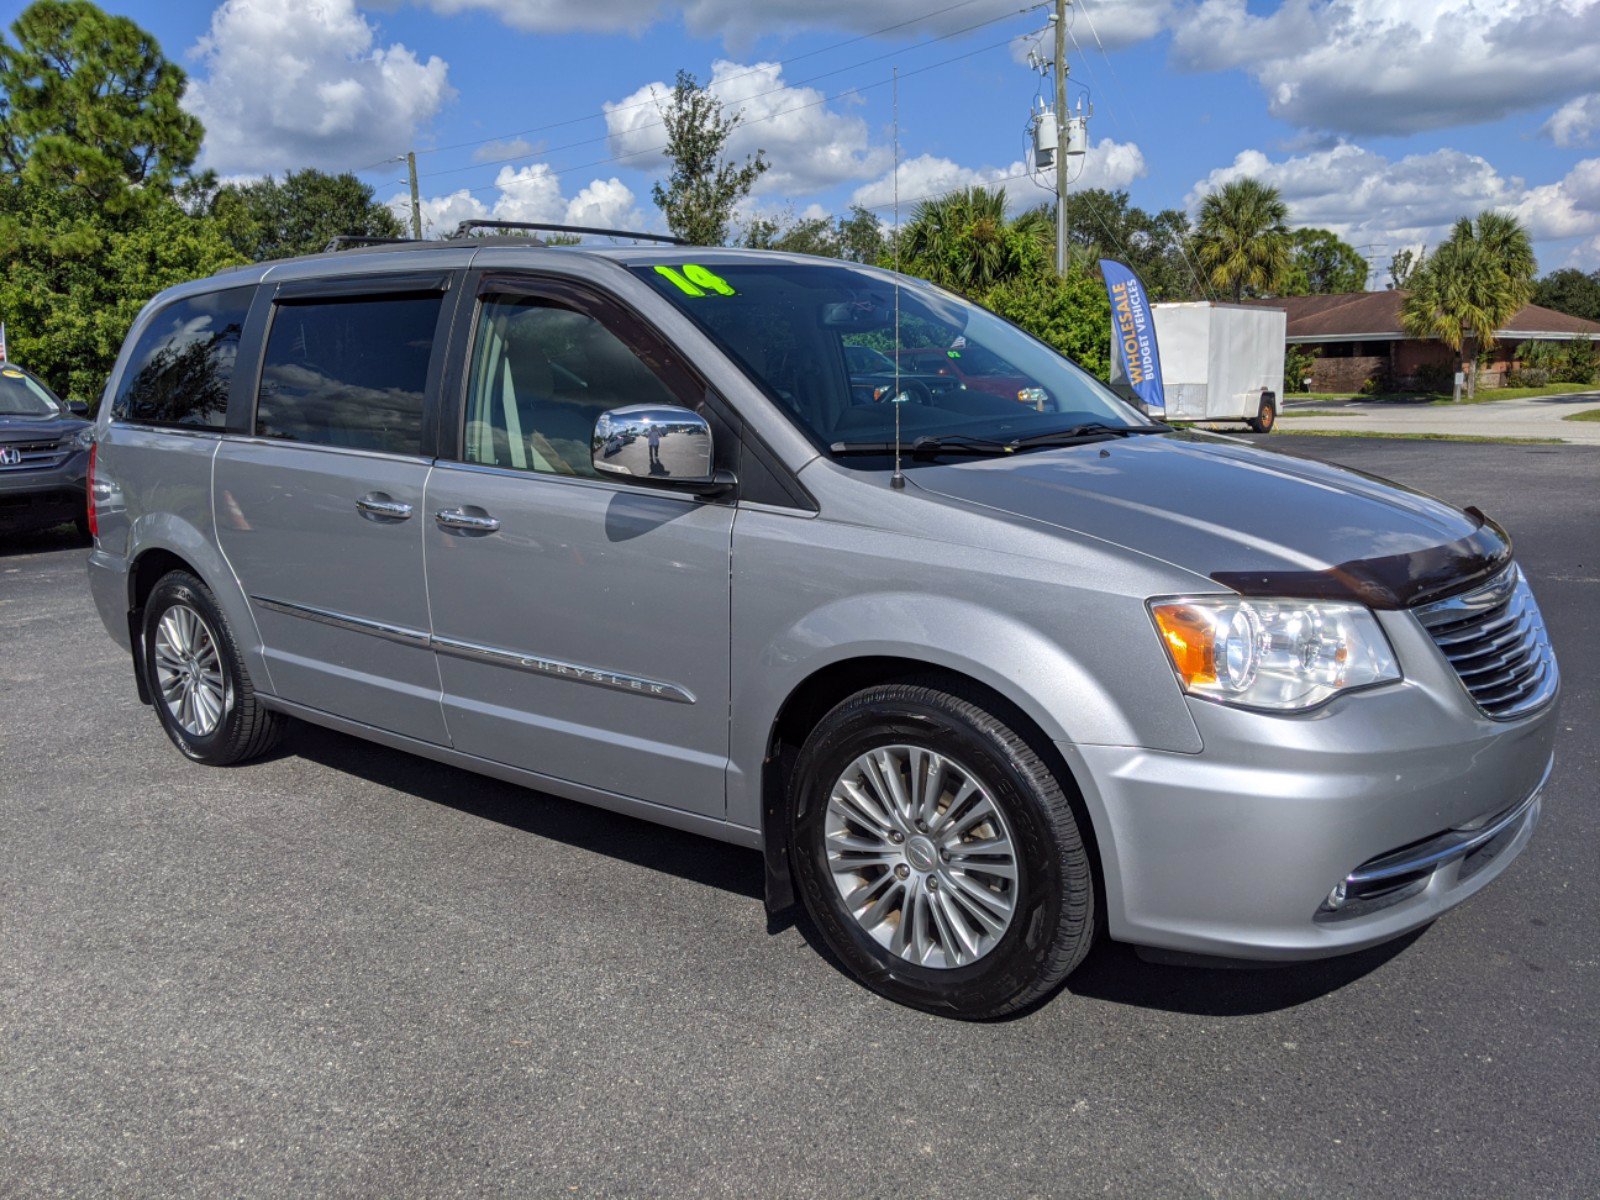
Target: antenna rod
{"points": [[1063, 135], [897, 480]]}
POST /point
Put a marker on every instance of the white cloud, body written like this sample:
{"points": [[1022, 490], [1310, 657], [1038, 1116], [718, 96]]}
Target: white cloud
{"points": [[1108, 164], [1575, 123], [1383, 204], [298, 83], [531, 193], [510, 148], [809, 145], [1399, 66]]}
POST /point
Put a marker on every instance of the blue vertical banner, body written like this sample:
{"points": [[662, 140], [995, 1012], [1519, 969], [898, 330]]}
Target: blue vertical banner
{"points": [[1133, 334]]}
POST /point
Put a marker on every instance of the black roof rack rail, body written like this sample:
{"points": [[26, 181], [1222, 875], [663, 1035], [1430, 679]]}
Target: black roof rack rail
{"points": [[463, 229], [342, 241]]}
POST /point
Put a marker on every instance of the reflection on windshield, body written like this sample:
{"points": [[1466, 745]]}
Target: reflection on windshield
{"points": [[826, 342], [23, 396]]}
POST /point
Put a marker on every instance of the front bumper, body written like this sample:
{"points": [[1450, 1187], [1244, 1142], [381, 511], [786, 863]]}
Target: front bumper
{"points": [[47, 494], [1407, 794]]}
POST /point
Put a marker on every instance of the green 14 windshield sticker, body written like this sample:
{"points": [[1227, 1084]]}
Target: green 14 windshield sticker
{"points": [[694, 280]]}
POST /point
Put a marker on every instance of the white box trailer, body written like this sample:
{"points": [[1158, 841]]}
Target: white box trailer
{"points": [[1220, 362]]}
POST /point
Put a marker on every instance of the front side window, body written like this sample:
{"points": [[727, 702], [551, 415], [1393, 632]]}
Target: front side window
{"points": [[181, 369], [349, 372], [841, 353], [542, 373]]}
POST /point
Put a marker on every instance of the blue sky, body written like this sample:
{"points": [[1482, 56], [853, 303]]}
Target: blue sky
{"points": [[1382, 119]]}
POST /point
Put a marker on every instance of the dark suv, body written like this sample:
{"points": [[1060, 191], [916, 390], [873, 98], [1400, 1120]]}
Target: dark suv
{"points": [[44, 454]]}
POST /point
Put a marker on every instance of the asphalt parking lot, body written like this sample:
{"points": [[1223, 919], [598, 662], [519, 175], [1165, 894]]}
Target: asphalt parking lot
{"points": [[346, 970]]}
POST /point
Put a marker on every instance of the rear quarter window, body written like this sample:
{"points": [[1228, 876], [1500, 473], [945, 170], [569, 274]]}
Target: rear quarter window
{"points": [[181, 368]]}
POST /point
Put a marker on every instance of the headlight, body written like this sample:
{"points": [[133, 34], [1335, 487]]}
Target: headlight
{"points": [[1282, 655], [83, 439]]}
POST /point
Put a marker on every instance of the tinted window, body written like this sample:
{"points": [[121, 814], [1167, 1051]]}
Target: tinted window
{"points": [[541, 376], [182, 366], [349, 372], [799, 331]]}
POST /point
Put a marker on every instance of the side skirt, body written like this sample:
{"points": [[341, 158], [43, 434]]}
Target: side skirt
{"points": [[644, 810]]}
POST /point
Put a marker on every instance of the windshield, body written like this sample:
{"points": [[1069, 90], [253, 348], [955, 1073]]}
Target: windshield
{"points": [[21, 395], [821, 340]]}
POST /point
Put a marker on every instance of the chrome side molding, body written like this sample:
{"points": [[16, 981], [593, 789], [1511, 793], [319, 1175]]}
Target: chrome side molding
{"points": [[574, 672], [392, 633]]}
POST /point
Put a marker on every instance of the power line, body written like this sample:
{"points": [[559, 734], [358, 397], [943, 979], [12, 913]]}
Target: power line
{"points": [[770, 116], [784, 62], [782, 87]]}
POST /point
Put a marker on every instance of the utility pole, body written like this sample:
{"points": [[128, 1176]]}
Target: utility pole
{"points": [[416, 202], [1063, 134]]}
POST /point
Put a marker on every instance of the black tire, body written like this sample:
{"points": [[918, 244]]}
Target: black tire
{"points": [[1266, 418], [246, 729], [1052, 926]]}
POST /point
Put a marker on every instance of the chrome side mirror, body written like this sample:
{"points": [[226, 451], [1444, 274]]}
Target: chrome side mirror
{"points": [[658, 445]]}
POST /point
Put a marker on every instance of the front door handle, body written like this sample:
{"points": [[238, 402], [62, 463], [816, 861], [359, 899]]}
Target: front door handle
{"points": [[380, 506], [465, 522]]}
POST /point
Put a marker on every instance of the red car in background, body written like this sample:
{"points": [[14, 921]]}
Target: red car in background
{"points": [[980, 370]]}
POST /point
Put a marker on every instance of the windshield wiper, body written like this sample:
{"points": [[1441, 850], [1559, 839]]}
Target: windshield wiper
{"points": [[966, 443], [1087, 429], [950, 443]]}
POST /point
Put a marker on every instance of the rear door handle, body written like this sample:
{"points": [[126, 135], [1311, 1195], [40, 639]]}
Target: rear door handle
{"points": [[380, 506], [465, 522]]}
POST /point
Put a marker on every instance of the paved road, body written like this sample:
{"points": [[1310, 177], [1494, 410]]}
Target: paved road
{"points": [[349, 971], [1535, 417]]}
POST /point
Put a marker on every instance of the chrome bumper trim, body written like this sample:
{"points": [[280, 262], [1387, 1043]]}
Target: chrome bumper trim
{"points": [[1444, 848]]}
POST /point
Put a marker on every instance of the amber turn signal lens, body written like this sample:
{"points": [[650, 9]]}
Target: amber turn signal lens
{"points": [[1190, 636]]}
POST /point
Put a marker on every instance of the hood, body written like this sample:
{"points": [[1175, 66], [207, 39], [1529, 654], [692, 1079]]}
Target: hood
{"points": [[40, 429], [1253, 521]]}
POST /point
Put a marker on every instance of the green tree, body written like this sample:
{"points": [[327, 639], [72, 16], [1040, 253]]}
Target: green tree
{"points": [[73, 277], [861, 237], [1323, 264], [702, 189], [1401, 267], [1106, 224], [88, 100], [268, 219], [964, 241], [1460, 295], [1570, 291], [1241, 238], [1509, 249], [1072, 314]]}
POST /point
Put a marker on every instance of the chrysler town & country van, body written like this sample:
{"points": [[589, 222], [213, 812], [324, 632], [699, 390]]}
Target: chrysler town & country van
{"points": [[981, 678]]}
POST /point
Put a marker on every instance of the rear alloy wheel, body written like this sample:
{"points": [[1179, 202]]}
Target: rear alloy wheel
{"points": [[1266, 415], [938, 854], [202, 693]]}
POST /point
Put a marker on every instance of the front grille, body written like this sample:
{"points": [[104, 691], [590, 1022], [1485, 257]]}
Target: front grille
{"points": [[37, 456], [1494, 637]]}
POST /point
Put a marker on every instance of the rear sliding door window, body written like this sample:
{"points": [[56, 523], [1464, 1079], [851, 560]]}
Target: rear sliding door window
{"points": [[349, 373], [182, 366]]}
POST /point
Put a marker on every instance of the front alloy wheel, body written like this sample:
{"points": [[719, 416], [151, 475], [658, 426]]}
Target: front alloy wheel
{"points": [[938, 851], [921, 856]]}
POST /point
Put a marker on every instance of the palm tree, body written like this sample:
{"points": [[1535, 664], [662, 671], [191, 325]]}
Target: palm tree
{"points": [[1460, 296], [964, 241], [1472, 285], [1241, 238]]}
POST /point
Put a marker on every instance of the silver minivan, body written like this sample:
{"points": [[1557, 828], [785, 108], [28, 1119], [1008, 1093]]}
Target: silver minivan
{"points": [[709, 537]]}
